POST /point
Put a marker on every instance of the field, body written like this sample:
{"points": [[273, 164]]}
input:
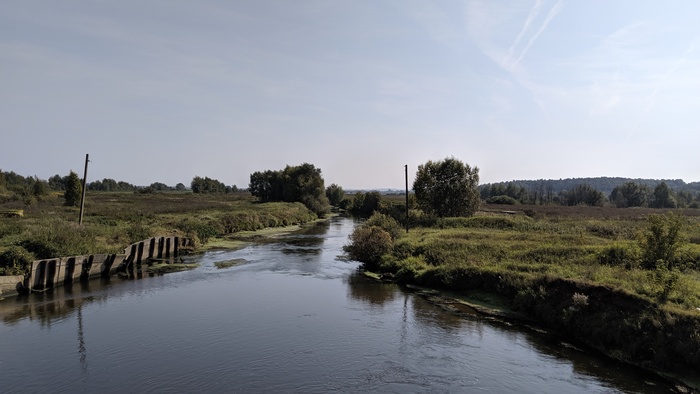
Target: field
{"points": [[600, 246], [112, 221], [617, 279]]}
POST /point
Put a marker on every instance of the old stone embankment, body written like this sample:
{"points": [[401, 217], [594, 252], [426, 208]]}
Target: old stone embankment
{"points": [[45, 274]]}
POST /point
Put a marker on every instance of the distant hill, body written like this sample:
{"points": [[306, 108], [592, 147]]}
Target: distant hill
{"points": [[604, 184]]}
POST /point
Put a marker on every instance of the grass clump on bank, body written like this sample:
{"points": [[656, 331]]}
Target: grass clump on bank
{"points": [[629, 286]]}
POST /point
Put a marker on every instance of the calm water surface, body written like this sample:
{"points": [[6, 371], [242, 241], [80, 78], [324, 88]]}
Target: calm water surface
{"points": [[293, 318]]}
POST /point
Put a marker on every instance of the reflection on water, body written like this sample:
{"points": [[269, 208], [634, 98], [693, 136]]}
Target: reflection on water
{"points": [[57, 304], [294, 317], [372, 292]]}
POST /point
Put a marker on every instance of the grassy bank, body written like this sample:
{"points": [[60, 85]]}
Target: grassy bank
{"points": [[579, 271], [114, 220]]}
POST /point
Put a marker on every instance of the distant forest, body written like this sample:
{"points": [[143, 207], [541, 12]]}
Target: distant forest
{"points": [[621, 192], [15, 187]]}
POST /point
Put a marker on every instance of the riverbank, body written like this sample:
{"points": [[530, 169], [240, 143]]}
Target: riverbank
{"points": [[496, 307], [578, 276], [112, 220]]}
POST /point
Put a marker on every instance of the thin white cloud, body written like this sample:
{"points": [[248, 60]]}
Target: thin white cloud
{"points": [[552, 13], [534, 12]]}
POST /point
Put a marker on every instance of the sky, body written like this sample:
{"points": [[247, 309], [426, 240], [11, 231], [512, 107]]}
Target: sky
{"points": [[166, 90]]}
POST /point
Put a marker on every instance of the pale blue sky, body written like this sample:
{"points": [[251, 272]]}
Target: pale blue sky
{"points": [[161, 91]]}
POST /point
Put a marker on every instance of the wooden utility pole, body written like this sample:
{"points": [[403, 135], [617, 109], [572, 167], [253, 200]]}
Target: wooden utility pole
{"points": [[406, 170], [82, 198]]}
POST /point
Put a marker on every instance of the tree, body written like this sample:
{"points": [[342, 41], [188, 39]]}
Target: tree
{"points": [[629, 194], [266, 185], [159, 186], [40, 188], [56, 183], [662, 197], [74, 190], [447, 188], [302, 183], [335, 194], [583, 195], [207, 185]]}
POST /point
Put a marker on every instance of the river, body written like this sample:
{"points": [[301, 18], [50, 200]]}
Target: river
{"points": [[293, 318]]}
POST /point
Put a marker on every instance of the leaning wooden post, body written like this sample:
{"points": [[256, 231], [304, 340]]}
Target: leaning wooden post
{"points": [[82, 198]]}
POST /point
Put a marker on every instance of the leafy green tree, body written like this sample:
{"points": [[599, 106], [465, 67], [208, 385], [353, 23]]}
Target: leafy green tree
{"points": [[447, 188], [267, 185], [372, 202], [74, 190], [583, 195], [207, 185], [302, 183], [366, 203], [684, 199], [159, 186], [335, 194], [180, 187], [57, 183], [40, 188], [629, 194], [663, 197]]}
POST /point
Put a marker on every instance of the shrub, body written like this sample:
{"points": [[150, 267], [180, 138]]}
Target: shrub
{"points": [[15, 260], [661, 240], [409, 269], [368, 244], [502, 200], [137, 231], [386, 223]]}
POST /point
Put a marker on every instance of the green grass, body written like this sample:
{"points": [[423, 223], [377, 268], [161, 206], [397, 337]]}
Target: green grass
{"points": [[113, 221], [566, 246], [575, 270]]}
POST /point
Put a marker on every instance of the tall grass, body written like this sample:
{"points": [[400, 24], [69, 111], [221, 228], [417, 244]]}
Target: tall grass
{"points": [[599, 250], [112, 221]]}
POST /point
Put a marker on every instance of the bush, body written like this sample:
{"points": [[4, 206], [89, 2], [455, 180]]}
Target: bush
{"points": [[368, 244], [502, 200], [15, 260], [661, 240], [386, 223], [137, 232]]}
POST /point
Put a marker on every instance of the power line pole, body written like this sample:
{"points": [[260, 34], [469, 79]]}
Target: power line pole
{"points": [[82, 198], [406, 169]]}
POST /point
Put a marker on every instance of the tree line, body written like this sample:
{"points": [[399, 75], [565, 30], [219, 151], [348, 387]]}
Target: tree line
{"points": [[447, 187], [627, 194]]}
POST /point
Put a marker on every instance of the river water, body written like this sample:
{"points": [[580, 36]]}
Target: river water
{"points": [[293, 318]]}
